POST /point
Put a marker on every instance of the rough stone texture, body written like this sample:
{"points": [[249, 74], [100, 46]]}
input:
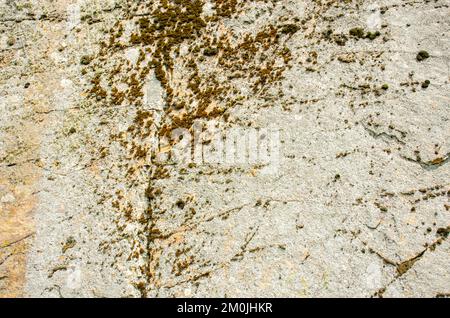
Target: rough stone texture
{"points": [[358, 205]]}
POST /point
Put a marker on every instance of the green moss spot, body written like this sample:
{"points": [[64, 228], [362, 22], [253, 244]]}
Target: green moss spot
{"points": [[11, 41], [70, 243], [357, 32], [422, 55], [425, 84], [85, 60], [210, 51], [289, 29], [372, 35]]}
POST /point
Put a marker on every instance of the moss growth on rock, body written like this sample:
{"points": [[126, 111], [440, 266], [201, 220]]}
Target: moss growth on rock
{"points": [[11, 41], [372, 35], [289, 28], [425, 84], [422, 55], [210, 51], [85, 60], [361, 34]]}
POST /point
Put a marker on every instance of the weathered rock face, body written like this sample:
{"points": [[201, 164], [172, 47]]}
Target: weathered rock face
{"points": [[314, 159]]}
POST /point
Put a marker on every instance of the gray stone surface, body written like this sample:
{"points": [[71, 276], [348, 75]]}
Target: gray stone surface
{"points": [[355, 205]]}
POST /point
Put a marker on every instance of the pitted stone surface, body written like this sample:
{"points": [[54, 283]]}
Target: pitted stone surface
{"points": [[357, 204]]}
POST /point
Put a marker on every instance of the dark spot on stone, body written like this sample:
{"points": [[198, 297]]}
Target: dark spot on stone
{"points": [[357, 32], [289, 29], [422, 55], [443, 232], [425, 84], [180, 204], [70, 243], [211, 51], [85, 60], [340, 39], [372, 35], [11, 41]]}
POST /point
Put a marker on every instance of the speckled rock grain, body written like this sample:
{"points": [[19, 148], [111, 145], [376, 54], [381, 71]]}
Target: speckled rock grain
{"points": [[358, 207]]}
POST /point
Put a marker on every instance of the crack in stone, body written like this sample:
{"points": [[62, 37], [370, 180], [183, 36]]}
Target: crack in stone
{"points": [[432, 164], [16, 241], [376, 135]]}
